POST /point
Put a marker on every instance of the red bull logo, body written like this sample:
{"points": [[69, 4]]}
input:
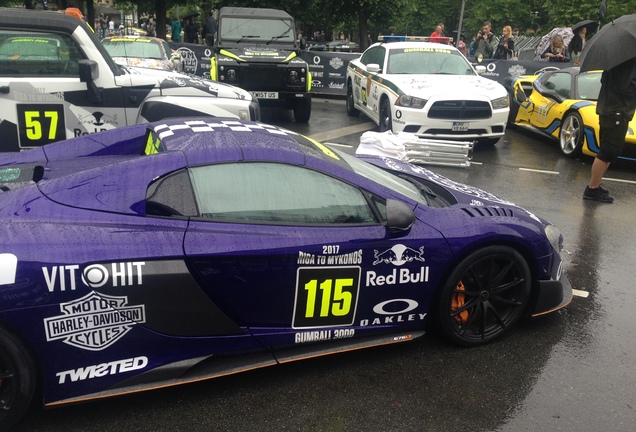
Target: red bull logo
{"points": [[399, 255]]}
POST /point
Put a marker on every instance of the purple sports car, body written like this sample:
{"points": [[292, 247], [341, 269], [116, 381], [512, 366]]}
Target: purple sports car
{"points": [[186, 249]]}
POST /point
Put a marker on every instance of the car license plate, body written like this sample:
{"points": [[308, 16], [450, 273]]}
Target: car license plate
{"points": [[460, 126], [266, 95]]}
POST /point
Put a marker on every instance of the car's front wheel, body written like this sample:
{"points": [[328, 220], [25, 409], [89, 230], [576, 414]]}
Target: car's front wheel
{"points": [[571, 135], [484, 296], [351, 106], [17, 380], [386, 123]]}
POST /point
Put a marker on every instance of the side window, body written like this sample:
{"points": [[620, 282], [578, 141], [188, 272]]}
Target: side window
{"points": [[561, 83], [171, 196], [276, 193], [29, 54], [589, 86], [368, 56], [375, 55]]}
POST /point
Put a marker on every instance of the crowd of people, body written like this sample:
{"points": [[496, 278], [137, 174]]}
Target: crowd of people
{"points": [[184, 30], [485, 44]]}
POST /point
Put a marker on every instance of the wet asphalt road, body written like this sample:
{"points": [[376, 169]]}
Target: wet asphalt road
{"points": [[570, 371]]}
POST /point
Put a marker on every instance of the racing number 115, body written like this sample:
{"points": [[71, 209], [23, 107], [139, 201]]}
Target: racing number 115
{"points": [[326, 296]]}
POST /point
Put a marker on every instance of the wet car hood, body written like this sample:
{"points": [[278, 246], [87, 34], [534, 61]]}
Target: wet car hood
{"points": [[450, 86], [176, 83], [465, 195]]}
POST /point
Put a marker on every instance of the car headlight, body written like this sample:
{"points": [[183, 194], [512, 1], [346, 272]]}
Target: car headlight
{"points": [[295, 76], [554, 236], [227, 74], [410, 101], [501, 103]]}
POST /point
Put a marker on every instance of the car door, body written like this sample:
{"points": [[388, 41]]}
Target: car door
{"points": [[553, 90], [42, 96], [297, 255], [363, 86]]}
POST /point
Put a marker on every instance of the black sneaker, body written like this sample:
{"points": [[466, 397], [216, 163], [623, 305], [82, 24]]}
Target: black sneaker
{"points": [[597, 194]]}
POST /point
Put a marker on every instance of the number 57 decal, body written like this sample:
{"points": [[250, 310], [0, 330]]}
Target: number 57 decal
{"points": [[40, 124], [326, 297]]}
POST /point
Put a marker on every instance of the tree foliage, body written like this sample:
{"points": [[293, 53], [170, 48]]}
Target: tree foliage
{"points": [[355, 18]]}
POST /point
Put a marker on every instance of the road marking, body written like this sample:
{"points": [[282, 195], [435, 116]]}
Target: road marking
{"points": [[539, 171], [619, 180], [336, 133], [338, 144], [580, 293]]}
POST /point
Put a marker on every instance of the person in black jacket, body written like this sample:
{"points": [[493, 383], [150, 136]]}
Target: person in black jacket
{"points": [[615, 108], [506, 46], [191, 32], [576, 45]]}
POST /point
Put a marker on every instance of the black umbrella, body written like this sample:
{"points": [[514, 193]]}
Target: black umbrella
{"points": [[615, 43], [589, 24], [191, 15]]}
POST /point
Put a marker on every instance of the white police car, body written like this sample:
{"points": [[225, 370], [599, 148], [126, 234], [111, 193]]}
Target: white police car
{"points": [[428, 89]]}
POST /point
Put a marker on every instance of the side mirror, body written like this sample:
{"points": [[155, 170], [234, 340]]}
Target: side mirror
{"points": [[399, 216], [373, 67], [88, 70], [481, 69]]}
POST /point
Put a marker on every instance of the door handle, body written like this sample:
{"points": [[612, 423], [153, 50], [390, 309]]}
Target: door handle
{"points": [[5, 89]]}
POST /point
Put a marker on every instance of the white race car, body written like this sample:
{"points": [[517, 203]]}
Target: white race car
{"points": [[428, 89]]}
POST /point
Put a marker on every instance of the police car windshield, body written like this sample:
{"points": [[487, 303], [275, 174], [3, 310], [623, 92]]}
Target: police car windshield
{"points": [[427, 61]]}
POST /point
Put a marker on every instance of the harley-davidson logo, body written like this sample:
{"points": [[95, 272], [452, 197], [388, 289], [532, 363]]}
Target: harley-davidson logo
{"points": [[94, 322]]}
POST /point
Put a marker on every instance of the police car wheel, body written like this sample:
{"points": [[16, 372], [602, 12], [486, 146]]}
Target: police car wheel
{"points": [[486, 294], [386, 124], [17, 380]]}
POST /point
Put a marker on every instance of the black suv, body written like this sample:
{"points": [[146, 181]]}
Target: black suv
{"points": [[256, 49]]}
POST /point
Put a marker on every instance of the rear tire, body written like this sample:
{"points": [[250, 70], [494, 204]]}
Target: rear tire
{"points": [[302, 110], [17, 380]]}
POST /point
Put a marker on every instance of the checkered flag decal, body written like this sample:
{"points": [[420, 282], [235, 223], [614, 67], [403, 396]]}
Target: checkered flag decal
{"points": [[196, 126]]}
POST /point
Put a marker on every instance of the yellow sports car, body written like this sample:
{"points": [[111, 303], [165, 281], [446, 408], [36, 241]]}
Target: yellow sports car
{"points": [[562, 104]]}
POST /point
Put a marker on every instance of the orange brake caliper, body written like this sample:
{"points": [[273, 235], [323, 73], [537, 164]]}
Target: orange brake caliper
{"points": [[457, 302]]}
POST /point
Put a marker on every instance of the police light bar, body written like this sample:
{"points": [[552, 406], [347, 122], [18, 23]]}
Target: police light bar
{"points": [[392, 38]]}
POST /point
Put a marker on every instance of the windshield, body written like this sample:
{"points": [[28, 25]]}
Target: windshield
{"points": [[427, 61], [383, 177], [130, 48], [239, 29]]}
